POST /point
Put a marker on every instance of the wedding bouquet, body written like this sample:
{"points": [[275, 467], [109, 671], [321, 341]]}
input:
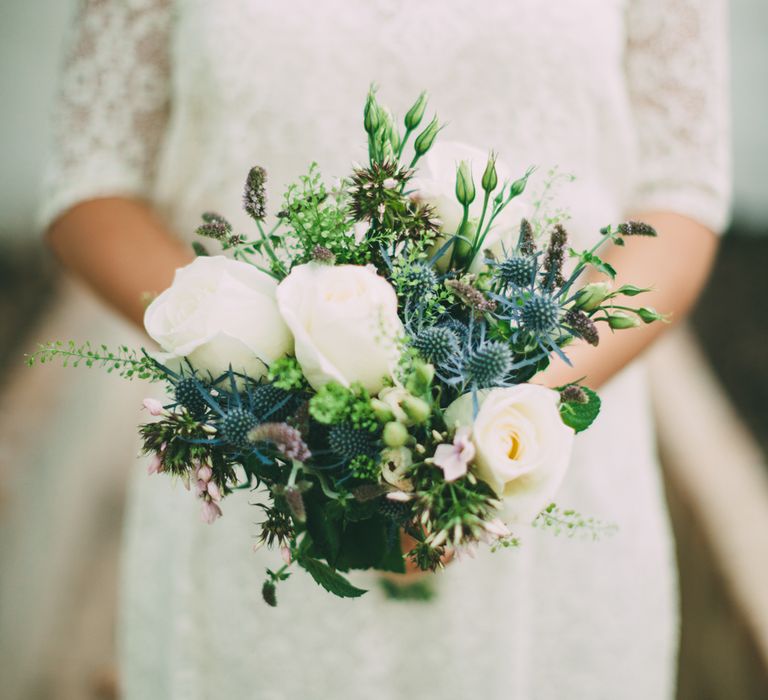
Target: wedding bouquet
{"points": [[364, 364]]}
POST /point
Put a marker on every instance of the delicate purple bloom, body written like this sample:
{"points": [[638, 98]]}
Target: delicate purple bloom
{"points": [[454, 459], [154, 407]]}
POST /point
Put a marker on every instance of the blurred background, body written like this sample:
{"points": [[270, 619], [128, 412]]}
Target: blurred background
{"points": [[58, 570]]}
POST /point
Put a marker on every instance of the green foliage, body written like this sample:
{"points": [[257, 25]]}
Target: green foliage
{"points": [[580, 416], [328, 578], [128, 363], [334, 404], [571, 523], [319, 217], [588, 258], [286, 374], [365, 467], [331, 404]]}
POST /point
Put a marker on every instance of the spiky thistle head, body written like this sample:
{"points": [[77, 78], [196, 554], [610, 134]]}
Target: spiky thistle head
{"points": [[255, 194], [375, 188], [540, 313], [188, 393], [348, 442], [488, 364], [236, 425], [437, 344], [420, 279], [272, 403], [518, 271]]}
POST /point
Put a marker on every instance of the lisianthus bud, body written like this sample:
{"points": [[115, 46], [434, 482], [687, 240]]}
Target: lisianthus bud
{"points": [[490, 178], [518, 186], [620, 321], [395, 434], [465, 185], [415, 114], [418, 410], [426, 138], [648, 314], [371, 118], [592, 295], [421, 377], [382, 411]]}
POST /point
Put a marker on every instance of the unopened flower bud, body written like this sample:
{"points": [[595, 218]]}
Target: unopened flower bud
{"points": [[465, 185], [648, 314], [395, 434], [421, 377], [371, 118], [592, 295], [621, 321], [490, 178], [213, 491], [382, 411], [415, 114], [426, 138], [518, 186], [418, 410], [204, 473]]}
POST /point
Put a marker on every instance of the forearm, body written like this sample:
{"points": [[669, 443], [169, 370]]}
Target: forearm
{"points": [[675, 265], [120, 248]]}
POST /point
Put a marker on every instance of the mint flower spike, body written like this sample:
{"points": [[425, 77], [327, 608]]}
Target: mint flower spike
{"points": [[254, 195]]}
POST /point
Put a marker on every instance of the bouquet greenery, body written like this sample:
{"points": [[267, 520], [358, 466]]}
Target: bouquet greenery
{"points": [[363, 364]]}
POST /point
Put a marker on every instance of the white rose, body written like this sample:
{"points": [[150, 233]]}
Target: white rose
{"points": [[344, 322], [523, 447], [219, 312], [435, 184]]}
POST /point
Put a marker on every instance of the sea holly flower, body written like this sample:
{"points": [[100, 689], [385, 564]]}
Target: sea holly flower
{"points": [[454, 459]]}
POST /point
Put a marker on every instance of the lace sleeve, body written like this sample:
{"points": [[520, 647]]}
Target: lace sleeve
{"points": [[112, 104], [676, 67]]}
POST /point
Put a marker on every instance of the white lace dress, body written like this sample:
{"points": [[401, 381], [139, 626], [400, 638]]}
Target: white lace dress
{"points": [[173, 101]]}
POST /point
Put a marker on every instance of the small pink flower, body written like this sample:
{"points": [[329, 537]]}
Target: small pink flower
{"points": [[155, 465], [201, 487], [154, 407], [204, 473], [454, 459], [213, 491], [497, 527], [210, 512], [285, 552]]}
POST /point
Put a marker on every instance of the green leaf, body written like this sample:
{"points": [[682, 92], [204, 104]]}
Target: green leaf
{"points": [[580, 416], [332, 581], [598, 263]]}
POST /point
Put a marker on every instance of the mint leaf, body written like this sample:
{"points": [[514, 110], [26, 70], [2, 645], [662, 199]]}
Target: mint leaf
{"points": [[580, 416], [329, 579]]}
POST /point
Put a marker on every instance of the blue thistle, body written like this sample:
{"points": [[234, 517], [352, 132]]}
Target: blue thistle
{"points": [[540, 314], [188, 394], [236, 425], [518, 270], [348, 442], [271, 403], [437, 344], [489, 363]]}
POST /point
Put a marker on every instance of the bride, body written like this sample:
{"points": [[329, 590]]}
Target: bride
{"points": [[166, 104]]}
